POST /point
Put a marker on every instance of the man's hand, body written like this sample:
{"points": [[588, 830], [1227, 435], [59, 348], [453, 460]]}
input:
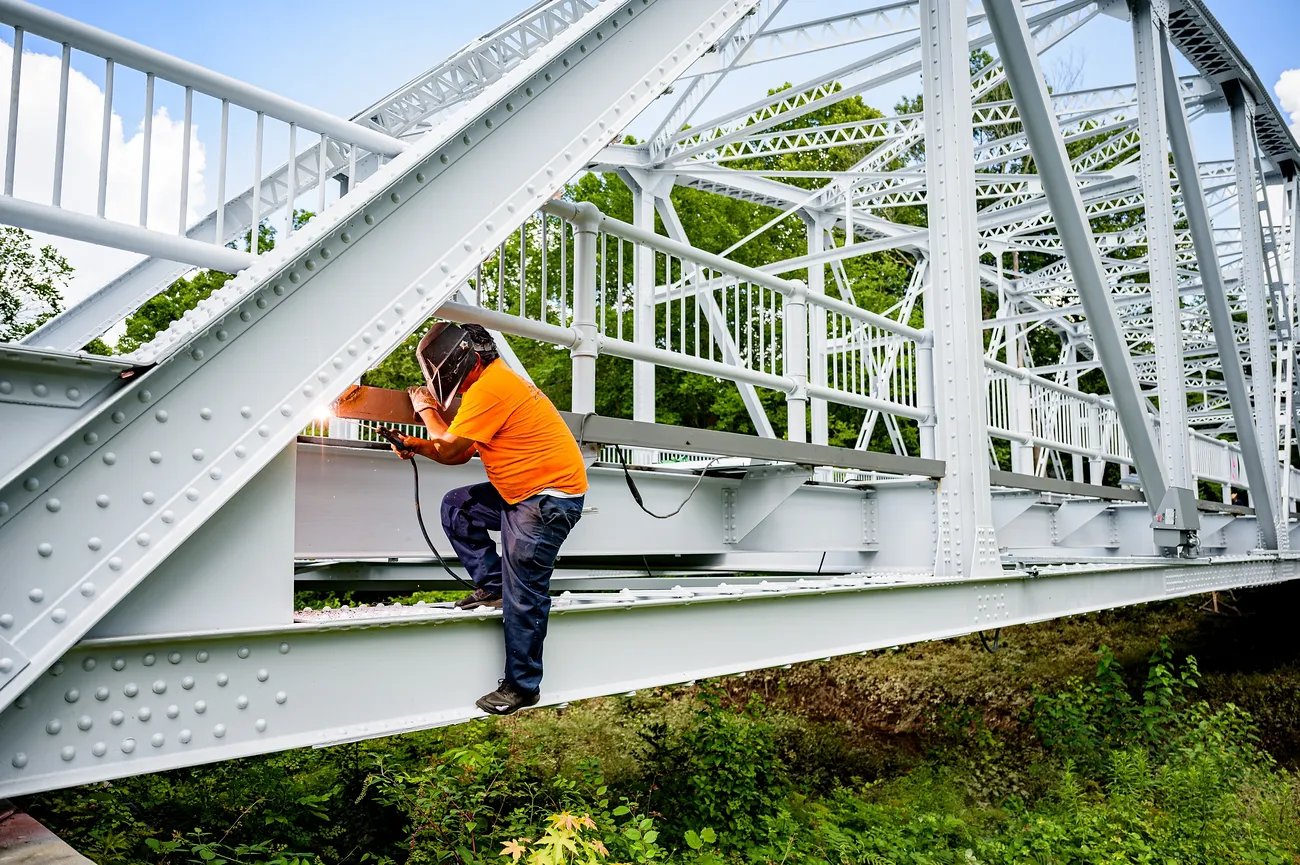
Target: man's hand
{"points": [[407, 448], [447, 449]]}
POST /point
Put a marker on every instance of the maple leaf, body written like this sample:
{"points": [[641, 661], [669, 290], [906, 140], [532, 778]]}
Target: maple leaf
{"points": [[514, 848], [566, 821], [599, 847]]}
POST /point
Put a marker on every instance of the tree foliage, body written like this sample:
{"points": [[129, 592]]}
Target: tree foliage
{"points": [[32, 283]]}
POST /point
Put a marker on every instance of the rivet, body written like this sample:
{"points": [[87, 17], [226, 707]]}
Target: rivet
{"points": [[200, 707], [260, 303], [101, 694], [264, 430], [369, 219], [149, 659], [20, 759], [222, 335], [128, 745], [241, 702], [61, 461], [116, 718], [222, 680], [110, 458], [245, 412], [488, 123], [101, 500], [145, 713], [192, 494], [184, 737], [167, 516], [117, 417], [202, 657], [215, 474], [59, 616], [90, 438], [88, 588], [243, 652], [4, 508], [510, 106], [6, 387], [160, 687], [205, 413], [148, 498], [143, 539], [23, 701], [6, 621], [367, 338], [286, 410], [219, 731], [157, 740], [280, 697], [309, 264], [174, 658], [6, 665], [155, 457], [325, 251], [84, 722], [32, 484], [144, 396], [284, 648], [345, 237], [99, 749], [40, 390], [53, 505], [37, 595], [173, 711], [442, 158], [54, 727], [263, 675], [197, 453], [68, 753], [419, 175], [119, 664], [308, 390], [197, 354], [187, 683], [131, 689], [260, 725], [278, 290], [88, 664], [72, 695], [57, 669], [45, 550], [245, 315]]}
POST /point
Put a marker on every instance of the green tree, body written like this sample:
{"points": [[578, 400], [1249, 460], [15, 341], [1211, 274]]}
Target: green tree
{"points": [[32, 282]]}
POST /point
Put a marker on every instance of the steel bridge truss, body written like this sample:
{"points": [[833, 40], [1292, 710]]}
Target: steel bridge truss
{"points": [[158, 508]]}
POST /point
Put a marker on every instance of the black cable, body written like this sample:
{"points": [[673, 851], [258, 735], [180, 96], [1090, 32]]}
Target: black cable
{"points": [[636, 494], [419, 518], [997, 639]]}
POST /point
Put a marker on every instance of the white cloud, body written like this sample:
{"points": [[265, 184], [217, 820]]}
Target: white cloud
{"points": [[38, 107], [1287, 89]]}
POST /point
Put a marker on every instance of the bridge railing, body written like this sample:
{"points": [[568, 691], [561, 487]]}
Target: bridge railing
{"points": [[127, 209]]}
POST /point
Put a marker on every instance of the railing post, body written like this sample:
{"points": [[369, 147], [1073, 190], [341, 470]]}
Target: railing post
{"points": [[585, 227], [1096, 465], [925, 394], [643, 305], [1020, 395], [818, 411], [794, 311]]}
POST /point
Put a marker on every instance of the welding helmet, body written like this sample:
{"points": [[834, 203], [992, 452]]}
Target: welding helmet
{"points": [[446, 355]]}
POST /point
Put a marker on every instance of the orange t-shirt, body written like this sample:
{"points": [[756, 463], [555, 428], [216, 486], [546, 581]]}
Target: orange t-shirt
{"points": [[522, 440]]}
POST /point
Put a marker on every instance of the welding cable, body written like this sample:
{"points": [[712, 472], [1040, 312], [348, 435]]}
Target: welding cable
{"points": [[419, 518], [636, 494]]}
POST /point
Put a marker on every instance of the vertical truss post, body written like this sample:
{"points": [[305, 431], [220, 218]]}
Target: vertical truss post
{"points": [[1253, 288], [643, 305], [585, 227], [1096, 465], [1007, 21], [1072, 379], [1175, 442], [967, 545], [819, 417], [794, 330], [1216, 298]]}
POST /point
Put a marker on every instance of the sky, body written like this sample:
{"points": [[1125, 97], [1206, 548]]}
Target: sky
{"points": [[341, 57]]}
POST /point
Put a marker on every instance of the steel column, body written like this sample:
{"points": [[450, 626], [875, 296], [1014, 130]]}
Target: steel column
{"points": [[1062, 192], [967, 545], [1253, 288], [1148, 28], [643, 305], [1216, 300]]}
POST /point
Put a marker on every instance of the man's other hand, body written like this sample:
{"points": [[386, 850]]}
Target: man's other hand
{"points": [[409, 446], [421, 399]]}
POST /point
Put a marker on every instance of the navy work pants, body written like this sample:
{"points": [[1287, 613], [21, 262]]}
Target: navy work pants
{"points": [[531, 534]]}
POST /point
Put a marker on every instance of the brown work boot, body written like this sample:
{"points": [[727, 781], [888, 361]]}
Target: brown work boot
{"points": [[479, 598]]}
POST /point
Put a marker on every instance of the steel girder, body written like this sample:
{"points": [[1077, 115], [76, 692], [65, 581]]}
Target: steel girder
{"points": [[109, 498], [143, 704]]}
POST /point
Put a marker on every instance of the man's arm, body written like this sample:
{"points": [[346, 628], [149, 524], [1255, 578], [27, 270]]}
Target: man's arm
{"points": [[441, 446]]}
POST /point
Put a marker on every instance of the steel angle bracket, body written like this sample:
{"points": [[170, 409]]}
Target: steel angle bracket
{"points": [[761, 492], [1074, 515], [133, 479]]}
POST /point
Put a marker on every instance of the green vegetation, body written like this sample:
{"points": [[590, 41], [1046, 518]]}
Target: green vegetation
{"points": [[1056, 749]]}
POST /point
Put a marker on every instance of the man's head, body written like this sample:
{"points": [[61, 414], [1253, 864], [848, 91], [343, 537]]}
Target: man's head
{"points": [[449, 354]]}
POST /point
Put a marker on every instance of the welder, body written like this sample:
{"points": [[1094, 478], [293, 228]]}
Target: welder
{"points": [[534, 495]]}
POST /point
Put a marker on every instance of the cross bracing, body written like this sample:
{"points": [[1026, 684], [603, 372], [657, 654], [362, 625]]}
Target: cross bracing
{"points": [[159, 506]]}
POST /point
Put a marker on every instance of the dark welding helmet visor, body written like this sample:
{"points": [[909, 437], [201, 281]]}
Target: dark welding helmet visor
{"points": [[446, 357]]}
